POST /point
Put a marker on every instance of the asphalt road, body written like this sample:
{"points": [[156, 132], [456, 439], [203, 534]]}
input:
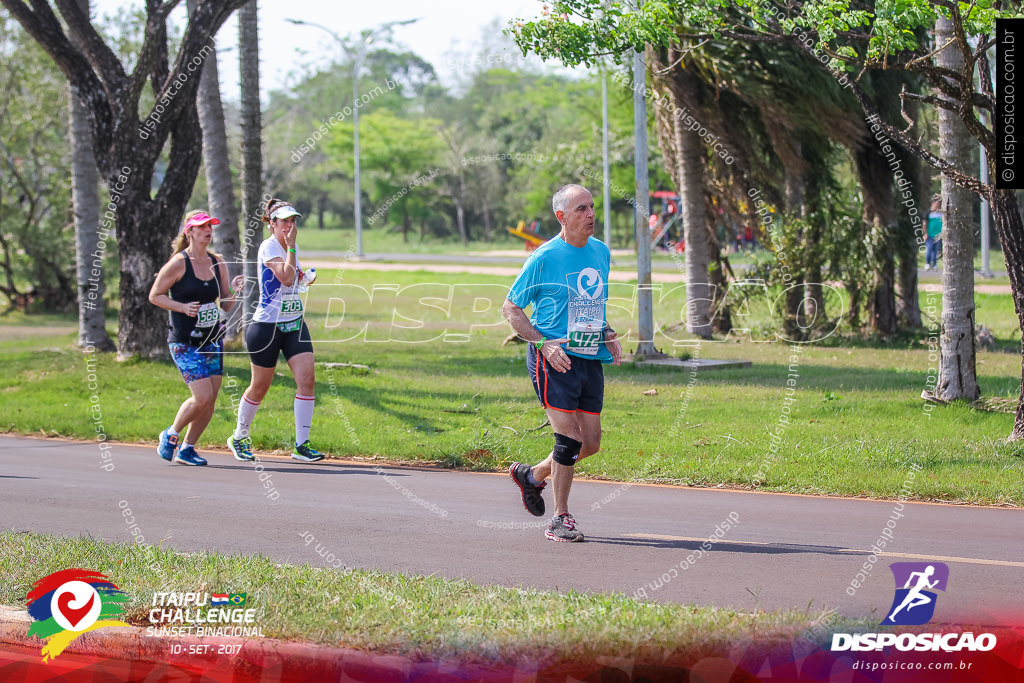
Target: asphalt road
{"points": [[782, 551]]}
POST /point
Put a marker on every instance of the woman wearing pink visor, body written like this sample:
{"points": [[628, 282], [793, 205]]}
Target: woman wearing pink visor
{"points": [[188, 286]]}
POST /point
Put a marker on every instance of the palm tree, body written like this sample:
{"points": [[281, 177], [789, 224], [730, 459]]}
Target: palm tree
{"points": [[218, 172], [92, 329], [252, 156], [684, 158], [957, 377]]}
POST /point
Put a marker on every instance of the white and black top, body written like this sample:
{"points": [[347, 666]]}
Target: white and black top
{"points": [[277, 304]]}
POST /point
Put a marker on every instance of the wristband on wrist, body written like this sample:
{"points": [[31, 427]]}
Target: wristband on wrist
{"points": [[540, 343], [291, 251]]}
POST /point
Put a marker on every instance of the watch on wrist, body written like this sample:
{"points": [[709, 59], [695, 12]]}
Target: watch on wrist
{"points": [[540, 343]]}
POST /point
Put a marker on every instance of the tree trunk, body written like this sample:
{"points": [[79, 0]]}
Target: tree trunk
{"points": [[219, 184], [882, 304], [488, 225], [957, 376], [142, 327], [683, 154], [218, 167], [875, 179], [252, 154], [460, 213], [814, 297], [92, 329], [794, 323], [908, 304], [1010, 229]]}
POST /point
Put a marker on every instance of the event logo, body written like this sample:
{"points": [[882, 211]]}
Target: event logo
{"points": [[589, 284], [179, 613], [914, 603], [68, 603]]}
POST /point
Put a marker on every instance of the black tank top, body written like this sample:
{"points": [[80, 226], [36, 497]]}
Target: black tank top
{"points": [[206, 327]]}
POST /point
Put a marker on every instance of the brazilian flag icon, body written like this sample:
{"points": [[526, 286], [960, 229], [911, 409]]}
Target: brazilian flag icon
{"points": [[237, 599]]}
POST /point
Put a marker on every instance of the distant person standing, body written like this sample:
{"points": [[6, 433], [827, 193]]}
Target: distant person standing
{"points": [[278, 328], [188, 286], [565, 280], [933, 243]]}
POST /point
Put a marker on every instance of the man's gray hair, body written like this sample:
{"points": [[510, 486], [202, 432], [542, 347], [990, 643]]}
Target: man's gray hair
{"points": [[560, 200]]}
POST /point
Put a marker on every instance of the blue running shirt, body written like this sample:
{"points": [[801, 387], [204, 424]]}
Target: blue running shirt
{"points": [[568, 288]]}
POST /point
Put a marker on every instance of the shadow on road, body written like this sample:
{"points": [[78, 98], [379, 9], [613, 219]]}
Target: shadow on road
{"points": [[725, 546]]}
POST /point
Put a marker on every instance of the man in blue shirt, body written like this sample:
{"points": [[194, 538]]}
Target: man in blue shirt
{"points": [[565, 280]]}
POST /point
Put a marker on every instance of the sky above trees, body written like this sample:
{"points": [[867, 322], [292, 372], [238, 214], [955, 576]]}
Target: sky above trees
{"points": [[450, 34]]}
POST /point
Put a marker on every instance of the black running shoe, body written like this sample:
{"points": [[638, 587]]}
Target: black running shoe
{"points": [[532, 501], [306, 453]]}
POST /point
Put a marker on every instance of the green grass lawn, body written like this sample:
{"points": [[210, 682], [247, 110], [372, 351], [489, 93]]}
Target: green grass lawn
{"points": [[441, 388], [385, 240], [419, 615]]}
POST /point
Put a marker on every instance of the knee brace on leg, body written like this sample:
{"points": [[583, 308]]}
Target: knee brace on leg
{"points": [[566, 450]]}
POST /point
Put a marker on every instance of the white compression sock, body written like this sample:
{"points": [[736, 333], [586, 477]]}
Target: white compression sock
{"points": [[303, 418], [246, 412]]}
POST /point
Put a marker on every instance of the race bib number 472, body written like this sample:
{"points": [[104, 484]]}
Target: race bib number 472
{"points": [[584, 342]]}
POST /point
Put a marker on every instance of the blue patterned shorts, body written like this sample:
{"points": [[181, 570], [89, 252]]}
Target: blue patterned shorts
{"points": [[198, 363]]}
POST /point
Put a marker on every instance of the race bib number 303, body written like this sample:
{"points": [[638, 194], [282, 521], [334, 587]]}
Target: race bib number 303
{"points": [[291, 304]]}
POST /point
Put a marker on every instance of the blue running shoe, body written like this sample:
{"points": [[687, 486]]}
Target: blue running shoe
{"points": [[168, 444], [241, 448], [188, 456]]}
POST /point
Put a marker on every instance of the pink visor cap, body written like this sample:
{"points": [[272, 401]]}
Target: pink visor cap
{"points": [[201, 219]]}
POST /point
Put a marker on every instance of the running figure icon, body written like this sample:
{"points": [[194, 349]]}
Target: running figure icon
{"points": [[915, 597]]}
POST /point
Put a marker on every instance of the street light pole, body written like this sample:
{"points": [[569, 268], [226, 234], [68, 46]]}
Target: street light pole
{"points": [[604, 163], [645, 301], [355, 125], [366, 37]]}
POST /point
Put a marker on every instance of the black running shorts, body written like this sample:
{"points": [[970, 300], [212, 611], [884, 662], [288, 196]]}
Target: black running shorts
{"points": [[580, 388], [265, 342]]}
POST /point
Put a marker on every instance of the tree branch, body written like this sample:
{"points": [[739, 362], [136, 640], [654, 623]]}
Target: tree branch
{"points": [[83, 34], [43, 26], [946, 168], [932, 100]]}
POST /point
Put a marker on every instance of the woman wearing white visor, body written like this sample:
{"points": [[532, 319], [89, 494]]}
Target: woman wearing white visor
{"points": [[188, 286], [278, 328]]}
